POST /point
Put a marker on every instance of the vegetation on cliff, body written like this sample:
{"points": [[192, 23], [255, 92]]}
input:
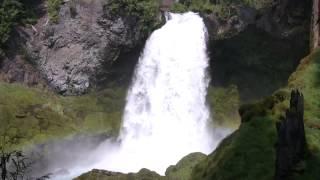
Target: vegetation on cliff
{"points": [[145, 12], [11, 12], [21, 12], [223, 8], [31, 116], [249, 153], [53, 9]]}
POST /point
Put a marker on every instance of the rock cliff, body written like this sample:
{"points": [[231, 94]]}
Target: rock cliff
{"points": [[74, 53]]}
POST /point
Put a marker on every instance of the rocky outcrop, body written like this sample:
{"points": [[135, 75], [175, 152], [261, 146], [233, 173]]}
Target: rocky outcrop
{"points": [[82, 46], [181, 171], [279, 18], [95, 174], [90, 45], [291, 145], [276, 38]]}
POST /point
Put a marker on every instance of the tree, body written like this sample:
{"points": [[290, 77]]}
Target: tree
{"points": [[14, 164]]}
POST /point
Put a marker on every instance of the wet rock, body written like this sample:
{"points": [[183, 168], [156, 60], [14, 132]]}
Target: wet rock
{"points": [[291, 145]]}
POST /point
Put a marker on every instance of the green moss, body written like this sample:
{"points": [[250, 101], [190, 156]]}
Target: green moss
{"points": [[246, 154], [307, 79], [143, 174], [30, 115], [224, 104], [183, 169]]}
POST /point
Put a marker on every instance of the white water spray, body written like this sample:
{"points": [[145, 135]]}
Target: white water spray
{"points": [[166, 116]]}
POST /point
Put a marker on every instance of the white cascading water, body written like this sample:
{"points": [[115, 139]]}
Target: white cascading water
{"points": [[166, 116]]}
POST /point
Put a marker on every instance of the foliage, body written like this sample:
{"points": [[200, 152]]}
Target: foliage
{"points": [[144, 11], [30, 116], [13, 12], [223, 8], [10, 11], [53, 10]]}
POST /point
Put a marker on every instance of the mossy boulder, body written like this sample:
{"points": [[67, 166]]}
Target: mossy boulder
{"points": [[143, 174], [183, 169]]}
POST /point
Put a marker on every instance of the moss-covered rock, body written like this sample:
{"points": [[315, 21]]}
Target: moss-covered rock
{"points": [[246, 154], [183, 169], [143, 174]]}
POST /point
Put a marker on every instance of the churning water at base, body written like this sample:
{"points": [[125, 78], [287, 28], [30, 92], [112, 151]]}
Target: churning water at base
{"points": [[166, 116]]}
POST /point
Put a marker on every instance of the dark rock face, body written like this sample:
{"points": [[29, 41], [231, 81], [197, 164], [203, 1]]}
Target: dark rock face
{"points": [[281, 18], [291, 145], [259, 52], [83, 46]]}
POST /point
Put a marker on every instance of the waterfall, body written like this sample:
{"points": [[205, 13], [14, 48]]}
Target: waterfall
{"points": [[166, 116]]}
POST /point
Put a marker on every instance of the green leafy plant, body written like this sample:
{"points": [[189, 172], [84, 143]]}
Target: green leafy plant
{"points": [[10, 10], [53, 10], [144, 11]]}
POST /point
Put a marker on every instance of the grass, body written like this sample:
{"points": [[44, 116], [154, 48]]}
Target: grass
{"points": [[30, 116]]}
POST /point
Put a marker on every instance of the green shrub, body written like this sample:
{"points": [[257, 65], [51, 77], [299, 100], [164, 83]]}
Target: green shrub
{"points": [[10, 11], [145, 11], [13, 12], [53, 10], [223, 8]]}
